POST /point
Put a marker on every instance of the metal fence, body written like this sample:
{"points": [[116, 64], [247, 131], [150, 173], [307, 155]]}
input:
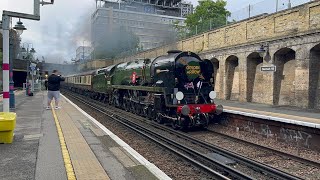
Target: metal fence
{"points": [[266, 6], [251, 10]]}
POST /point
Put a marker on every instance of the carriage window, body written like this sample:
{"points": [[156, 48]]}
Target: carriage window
{"points": [[101, 71]]}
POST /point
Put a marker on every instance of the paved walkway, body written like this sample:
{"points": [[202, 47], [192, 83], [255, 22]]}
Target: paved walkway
{"points": [[67, 144]]}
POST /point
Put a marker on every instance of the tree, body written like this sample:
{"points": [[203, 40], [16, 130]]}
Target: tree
{"points": [[181, 31], [207, 15]]}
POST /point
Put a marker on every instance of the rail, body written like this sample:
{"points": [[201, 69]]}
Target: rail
{"points": [[112, 112]]}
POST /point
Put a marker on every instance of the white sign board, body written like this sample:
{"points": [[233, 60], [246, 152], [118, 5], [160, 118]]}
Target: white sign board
{"points": [[268, 68]]}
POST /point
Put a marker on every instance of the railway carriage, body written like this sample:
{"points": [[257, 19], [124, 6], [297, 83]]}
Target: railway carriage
{"points": [[176, 88], [80, 83]]}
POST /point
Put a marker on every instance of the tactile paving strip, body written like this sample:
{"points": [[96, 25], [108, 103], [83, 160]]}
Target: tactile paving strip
{"points": [[85, 164]]}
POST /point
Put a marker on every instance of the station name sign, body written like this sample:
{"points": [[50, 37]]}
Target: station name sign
{"points": [[268, 68]]}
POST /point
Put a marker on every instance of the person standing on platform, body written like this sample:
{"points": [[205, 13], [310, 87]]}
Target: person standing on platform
{"points": [[46, 84], [54, 88]]}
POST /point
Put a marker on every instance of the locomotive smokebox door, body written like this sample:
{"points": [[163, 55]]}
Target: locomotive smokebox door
{"points": [[159, 102]]}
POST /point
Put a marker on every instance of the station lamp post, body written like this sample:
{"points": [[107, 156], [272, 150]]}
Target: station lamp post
{"points": [[19, 28], [6, 19], [264, 52], [28, 56]]}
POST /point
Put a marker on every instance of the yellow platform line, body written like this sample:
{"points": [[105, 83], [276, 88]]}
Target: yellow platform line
{"points": [[65, 153]]}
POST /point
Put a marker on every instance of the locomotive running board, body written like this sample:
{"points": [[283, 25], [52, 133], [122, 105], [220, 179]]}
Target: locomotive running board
{"points": [[140, 88]]}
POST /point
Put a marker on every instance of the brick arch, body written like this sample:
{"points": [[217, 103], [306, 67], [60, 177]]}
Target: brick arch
{"points": [[216, 75], [284, 77], [254, 78], [232, 78], [314, 77]]}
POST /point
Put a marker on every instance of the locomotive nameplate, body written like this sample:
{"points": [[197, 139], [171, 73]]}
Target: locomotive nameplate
{"points": [[193, 70]]}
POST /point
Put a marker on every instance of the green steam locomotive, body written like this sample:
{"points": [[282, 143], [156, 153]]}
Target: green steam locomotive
{"points": [[176, 88]]}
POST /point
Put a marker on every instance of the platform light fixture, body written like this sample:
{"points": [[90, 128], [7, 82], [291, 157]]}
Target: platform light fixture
{"points": [[23, 50], [19, 27], [32, 51], [263, 50]]}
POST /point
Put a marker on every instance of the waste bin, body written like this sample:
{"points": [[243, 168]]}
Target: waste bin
{"points": [[7, 125]]}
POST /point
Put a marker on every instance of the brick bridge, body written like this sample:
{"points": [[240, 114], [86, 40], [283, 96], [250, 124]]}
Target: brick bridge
{"points": [[293, 40]]}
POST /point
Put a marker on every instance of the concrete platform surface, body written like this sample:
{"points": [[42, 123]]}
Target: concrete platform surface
{"points": [[292, 115], [67, 144]]}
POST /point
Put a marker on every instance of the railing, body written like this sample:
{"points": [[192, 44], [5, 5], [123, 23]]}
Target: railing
{"points": [[265, 6], [37, 87], [251, 10]]}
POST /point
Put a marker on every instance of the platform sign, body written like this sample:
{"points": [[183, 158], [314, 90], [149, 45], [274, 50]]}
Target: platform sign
{"points": [[32, 68], [268, 68]]}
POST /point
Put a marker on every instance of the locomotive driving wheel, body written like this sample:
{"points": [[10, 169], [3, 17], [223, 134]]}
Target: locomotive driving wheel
{"points": [[174, 124], [131, 105], [159, 118], [151, 113], [184, 123], [127, 104], [145, 110], [124, 104], [137, 106]]}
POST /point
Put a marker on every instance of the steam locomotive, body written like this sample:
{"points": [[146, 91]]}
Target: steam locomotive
{"points": [[176, 88]]}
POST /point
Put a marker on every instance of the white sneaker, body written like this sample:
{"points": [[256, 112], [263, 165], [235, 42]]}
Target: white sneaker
{"points": [[57, 107], [48, 108]]}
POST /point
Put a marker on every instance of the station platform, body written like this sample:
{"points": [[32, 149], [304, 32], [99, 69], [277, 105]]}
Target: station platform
{"points": [[286, 114], [67, 143]]}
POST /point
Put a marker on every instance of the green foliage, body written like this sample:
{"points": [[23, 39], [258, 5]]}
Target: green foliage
{"points": [[180, 30], [208, 15]]}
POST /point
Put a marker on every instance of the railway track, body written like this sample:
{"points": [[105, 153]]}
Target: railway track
{"points": [[270, 150], [257, 166], [216, 168]]}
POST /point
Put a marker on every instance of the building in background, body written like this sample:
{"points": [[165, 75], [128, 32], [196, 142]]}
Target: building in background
{"points": [[150, 20], [83, 53]]}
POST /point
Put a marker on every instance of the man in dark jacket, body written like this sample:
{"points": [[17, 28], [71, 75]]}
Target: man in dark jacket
{"points": [[54, 88]]}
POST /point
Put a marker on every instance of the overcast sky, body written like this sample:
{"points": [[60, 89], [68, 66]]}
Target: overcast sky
{"points": [[65, 25]]}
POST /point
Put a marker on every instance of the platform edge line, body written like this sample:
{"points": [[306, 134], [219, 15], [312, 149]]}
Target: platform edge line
{"points": [[64, 150], [150, 166], [285, 120]]}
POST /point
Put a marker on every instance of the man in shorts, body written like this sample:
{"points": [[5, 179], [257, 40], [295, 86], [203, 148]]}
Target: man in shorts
{"points": [[54, 88]]}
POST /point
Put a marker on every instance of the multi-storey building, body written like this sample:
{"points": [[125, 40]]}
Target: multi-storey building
{"points": [[150, 20]]}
